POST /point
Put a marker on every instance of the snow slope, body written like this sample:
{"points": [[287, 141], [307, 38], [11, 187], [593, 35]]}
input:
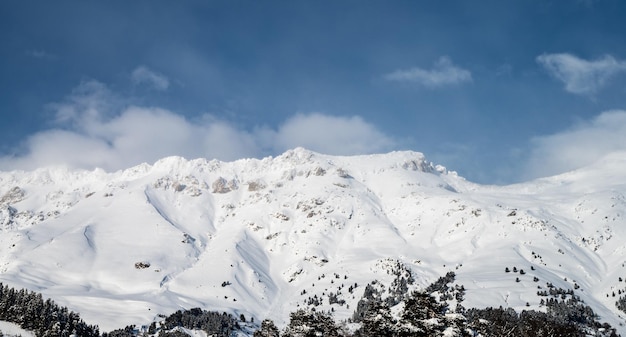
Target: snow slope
{"points": [[11, 329], [262, 237]]}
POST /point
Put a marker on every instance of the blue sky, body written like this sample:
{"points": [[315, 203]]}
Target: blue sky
{"points": [[499, 91]]}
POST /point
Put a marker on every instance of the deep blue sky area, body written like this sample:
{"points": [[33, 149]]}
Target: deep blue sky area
{"points": [[499, 91]]}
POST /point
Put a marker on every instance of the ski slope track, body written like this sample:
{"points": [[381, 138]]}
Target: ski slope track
{"points": [[260, 237]]}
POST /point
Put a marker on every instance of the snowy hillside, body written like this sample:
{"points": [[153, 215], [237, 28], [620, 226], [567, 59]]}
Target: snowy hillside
{"points": [[263, 237]]}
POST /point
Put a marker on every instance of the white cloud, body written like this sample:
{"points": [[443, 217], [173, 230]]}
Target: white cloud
{"points": [[90, 100], [93, 134], [443, 73], [579, 146], [331, 135], [581, 76], [40, 54], [143, 75]]}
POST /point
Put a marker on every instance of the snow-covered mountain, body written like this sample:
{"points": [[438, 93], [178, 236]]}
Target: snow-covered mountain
{"points": [[262, 237]]}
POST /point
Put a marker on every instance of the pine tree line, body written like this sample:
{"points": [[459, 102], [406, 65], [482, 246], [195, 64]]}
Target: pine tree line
{"points": [[211, 322], [428, 313], [43, 317], [422, 313]]}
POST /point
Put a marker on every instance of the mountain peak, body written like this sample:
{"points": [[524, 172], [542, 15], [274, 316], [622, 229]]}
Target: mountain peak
{"points": [[260, 237]]}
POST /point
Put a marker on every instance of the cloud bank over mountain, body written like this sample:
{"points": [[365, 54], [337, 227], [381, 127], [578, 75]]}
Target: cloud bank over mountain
{"points": [[96, 127], [581, 145], [93, 128]]}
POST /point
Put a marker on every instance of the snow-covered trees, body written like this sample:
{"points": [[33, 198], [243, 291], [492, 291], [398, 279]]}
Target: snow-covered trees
{"points": [[304, 323], [44, 318], [427, 313], [422, 315], [211, 322], [267, 329], [377, 320]]}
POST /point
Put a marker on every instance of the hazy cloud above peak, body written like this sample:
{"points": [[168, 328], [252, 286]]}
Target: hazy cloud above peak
{"points": [[581, 76], [142, 75], [93, 132], [90, 100], [443, 73], [331, 135], [581, 145]]}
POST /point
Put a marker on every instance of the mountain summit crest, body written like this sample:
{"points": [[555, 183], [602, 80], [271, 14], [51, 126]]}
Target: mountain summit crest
{"points": [[261, 237]]}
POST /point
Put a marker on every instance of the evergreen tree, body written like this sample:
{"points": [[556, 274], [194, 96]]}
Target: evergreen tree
{"points": [[304, 323], [267, 329], [378, 321], [422, 315], [44, 318]]}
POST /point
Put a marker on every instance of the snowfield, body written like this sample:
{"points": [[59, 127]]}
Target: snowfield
{"points": [[263, 237], [12, 329]]}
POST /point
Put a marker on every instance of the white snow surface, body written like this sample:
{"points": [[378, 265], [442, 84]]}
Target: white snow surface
{"points": [[259, 237], [11, 329]]}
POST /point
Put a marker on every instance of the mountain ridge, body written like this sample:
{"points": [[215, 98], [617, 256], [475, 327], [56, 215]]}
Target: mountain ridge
{"points": [[249, 236]]}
